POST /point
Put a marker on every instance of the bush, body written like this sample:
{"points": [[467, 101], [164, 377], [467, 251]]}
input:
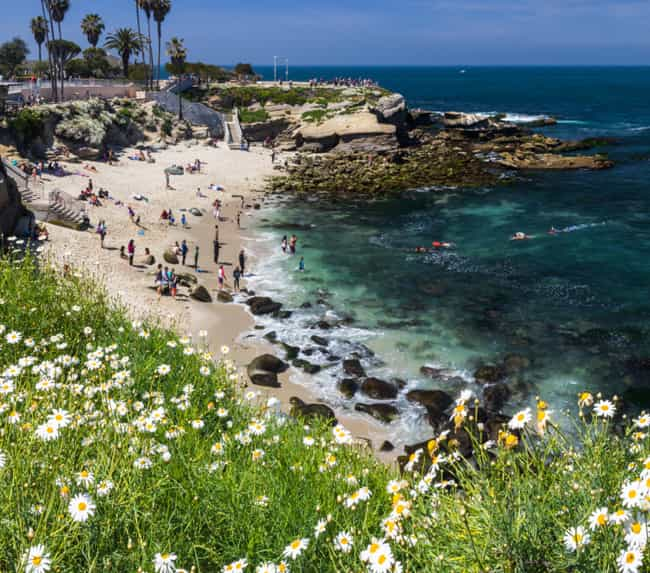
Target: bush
{"points": [[253, 116], [315, 116], [167, 127], [28, 125]]}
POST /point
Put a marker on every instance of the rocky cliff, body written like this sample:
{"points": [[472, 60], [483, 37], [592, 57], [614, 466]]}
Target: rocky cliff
{"points": [[12, 209]]}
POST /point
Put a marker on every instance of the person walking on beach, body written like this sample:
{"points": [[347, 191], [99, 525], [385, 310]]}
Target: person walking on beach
{"points": [[173, 283], [196, 257], [184, 250], [239, 219], [242, 262], [236, 275], [101, 231], [159, 280], [130, 249], [284, 244], [301, 265], [292, 244], [183, 221], [222, 276]]}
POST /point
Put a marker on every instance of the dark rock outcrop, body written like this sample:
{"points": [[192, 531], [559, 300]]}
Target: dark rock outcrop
{"points": [[224, 296], [348, 387], [383, 412], [436, 399], [263, 305], [300, 409], [170, 257], [201, 294], [353, 367], [378, 389]]}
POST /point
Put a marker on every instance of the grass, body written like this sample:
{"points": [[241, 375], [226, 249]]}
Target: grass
{"points": [[253, 116], [186, 461], [315, 115]]}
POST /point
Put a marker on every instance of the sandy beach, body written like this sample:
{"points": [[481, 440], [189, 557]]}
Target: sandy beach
{"points": [[242, 176]]}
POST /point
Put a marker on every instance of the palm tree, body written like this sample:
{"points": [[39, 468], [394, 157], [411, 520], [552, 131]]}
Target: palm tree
{"points": [[160, 10], [125, 42], [177, 54], [47, 16], [39, 31], [92, 26], [58, 10], [147, 7]]}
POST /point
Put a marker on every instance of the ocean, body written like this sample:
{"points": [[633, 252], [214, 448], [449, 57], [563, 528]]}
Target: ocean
{"points": [[572, 307]]}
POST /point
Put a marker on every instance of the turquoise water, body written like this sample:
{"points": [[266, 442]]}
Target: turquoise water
{"points": [[575, 304]]}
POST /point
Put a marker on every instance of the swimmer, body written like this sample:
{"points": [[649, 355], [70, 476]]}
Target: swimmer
{"points": [[421, 250], [553, 231], [442, 245], [519, 236]]}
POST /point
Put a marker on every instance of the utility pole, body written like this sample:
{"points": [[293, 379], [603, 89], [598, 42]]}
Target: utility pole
{"points": [[275, 69]]}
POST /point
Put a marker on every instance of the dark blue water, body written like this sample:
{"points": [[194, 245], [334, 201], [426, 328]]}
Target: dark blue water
{"points": [[574, 304]]}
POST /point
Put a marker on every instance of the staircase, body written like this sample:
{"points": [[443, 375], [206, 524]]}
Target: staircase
{"points": [[233, 133]]}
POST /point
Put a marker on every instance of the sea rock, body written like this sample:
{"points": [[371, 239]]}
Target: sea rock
{"points": [[353, 367], [271, 336], [458, 119], [291, 352], [170, 257], [489, 374], [389, 106], [300, 409], [268, 363], [348, 387], [495, 396], [224, 296], [200, 293], [378, 389], [514, 363], [188, 278], [386, 446], [382, 412], [320, 340], [263, 378], [436, 399], [263, 305], [306, 366]]}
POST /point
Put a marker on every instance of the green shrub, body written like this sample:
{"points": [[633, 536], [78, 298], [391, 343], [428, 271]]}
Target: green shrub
{"points": [[28, 125], [315, 116], [166, 127], [253, 116]]}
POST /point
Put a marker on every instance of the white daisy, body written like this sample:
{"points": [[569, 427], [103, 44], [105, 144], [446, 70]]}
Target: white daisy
{"points": [[630, 560], [81, 507], [520, 419], [47, 432], [295, 548], [576, 538], [37, 560], [604, 409], [343, 542], [164, 562], [598, 518]]}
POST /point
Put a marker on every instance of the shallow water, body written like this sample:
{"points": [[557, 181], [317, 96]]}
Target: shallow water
{"points": [[575, 304]]}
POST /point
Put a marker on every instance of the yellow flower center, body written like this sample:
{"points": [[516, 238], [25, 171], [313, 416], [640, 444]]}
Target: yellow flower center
{"points": [[374, 548], [577, 537], [295, 544], [165, 556], [84, 474], [601, 520], [636, 528], [50, 429], [632, 494], [630, 557], [36, 560], [82, 506], [381, 559]]}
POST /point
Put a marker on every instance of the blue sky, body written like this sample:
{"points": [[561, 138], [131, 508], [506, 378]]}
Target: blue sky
{"points": [[385, 32]]}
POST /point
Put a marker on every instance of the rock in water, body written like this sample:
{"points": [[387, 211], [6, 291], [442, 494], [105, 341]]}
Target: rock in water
{"points": [[306, 366], [348, 387], [170, 257], [488, 374], [431, 399], [382, 412], [224, 296], [352, 367], [386, 446], [200, 293], [263, 378], [299, 409], [263, 305], [378, 389], [495, 396], [320, 340]]}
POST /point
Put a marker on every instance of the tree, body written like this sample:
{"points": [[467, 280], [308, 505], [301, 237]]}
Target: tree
{"points": [[58, 10], [177, 54], [160, 10], [12, 55], [47, 16], [147, 8], [125, 42], [244, 70], [92, 26], [39, 31], [63, 50]]}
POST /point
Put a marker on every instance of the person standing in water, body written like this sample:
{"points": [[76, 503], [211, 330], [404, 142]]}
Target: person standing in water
{"points": [[236, 275], [301, 265], [196, 257], [284, 244], [292, 244], [242, 262]]}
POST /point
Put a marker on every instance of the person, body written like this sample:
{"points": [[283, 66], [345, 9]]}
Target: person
{"points": [[110, 157], [173, 283], [90, 184], [292, 244], [183, 221], [301, 265], [441, 245], [131, 251], [519, 236], [196, 257], [236, 275], [122, 253], [222, 276], [242, 262], [177, 249], [215, 244], [184, 250], [101, 230], [273, 156], [165, 280], [131, 212], [159, 280], [239, 219], [284, 244], [164, 215], [553, 231]]}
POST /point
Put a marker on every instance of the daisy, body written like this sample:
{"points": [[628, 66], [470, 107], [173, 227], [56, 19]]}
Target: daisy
{"points": [[164, 562], [163, 369], [257, 455], [81, 507], [576, 538], [47, 432], [60, 417], [217, 448], [636, 534], [104, 488], [630, 560], [376, 547], [604, 409], [598, 518], [632, 494], [619, 517], [3, 459], [394, 486], [585, 399], [197, 424], [266, 568], [343, 542], [225, 350], [142, 463], [643, 421], [295, 548], [520, 419], [6, 387], [382, 562], [37, 560], [14, 338], [239, 565], [85, 478], [321, 526], [308, 441]]}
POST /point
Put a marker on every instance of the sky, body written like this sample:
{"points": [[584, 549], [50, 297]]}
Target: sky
{"points": [[382, 32]]}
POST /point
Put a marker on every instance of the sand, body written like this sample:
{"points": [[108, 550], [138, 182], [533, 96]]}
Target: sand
{"points": [[241, 174]]}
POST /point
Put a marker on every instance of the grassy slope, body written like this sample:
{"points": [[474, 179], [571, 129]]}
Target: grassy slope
{"points": [[509, 516]]}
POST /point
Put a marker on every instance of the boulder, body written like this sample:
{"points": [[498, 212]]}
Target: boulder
{"points": [[320, 340], [200, 293], [170, 257], [389, 106], [435, 399], [263, 378], [489, 374], [353, 367], [514, 363], [291, 351], [382, 412], [263, 305], [271, 336], [188, 278], [348, 387], [378, 389], [459, 119], [300, 409], [386, 446], [268, 363], [495, 396], [149, 260], [224, 296], [196, 212]]}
